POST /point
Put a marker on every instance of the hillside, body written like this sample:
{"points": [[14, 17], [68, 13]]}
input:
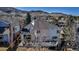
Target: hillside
{"points": [[15, 15]]}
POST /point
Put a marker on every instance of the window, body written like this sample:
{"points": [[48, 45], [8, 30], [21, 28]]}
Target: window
{"points": [[54, 37], [1, 30], [38, 31], [34, 18], [0, 37], [77, 29], [58, 31], [27, 36]]}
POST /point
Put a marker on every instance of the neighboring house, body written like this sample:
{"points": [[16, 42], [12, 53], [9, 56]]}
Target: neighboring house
{"points": [[42, 34], [45, 34], [77, 32], [4, 32]]}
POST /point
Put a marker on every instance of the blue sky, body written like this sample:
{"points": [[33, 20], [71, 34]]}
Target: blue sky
{"points": [[67, 10]]}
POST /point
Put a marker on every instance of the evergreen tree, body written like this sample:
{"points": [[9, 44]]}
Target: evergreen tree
{"points": [[28, 19]]}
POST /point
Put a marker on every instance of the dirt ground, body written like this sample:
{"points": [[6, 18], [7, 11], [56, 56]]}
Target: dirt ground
{"points": [[31, 49], [3, 48]]}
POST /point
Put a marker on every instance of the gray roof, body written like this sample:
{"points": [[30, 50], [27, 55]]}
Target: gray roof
{"points": [[4, 23]]}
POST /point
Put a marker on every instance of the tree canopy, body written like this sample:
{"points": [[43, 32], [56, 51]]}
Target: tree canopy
{"points": [[28, 19]]}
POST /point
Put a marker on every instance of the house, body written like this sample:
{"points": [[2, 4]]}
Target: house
{"points": [[45, 34], [40, 33], [76, 33], [4, 32]]}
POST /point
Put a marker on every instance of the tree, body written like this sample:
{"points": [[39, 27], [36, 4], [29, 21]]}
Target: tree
{"points": [[28, 19], [70, 30], [68, 33]]}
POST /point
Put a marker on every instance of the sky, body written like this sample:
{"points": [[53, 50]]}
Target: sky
{"points": [[66, 10]]}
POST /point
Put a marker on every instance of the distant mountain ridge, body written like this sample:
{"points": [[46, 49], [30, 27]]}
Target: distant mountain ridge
{"points": [[15, 15], [13, 9]]}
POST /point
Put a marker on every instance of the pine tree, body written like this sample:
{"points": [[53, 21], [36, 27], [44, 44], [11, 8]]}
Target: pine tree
{"points": [[28, 19]]}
